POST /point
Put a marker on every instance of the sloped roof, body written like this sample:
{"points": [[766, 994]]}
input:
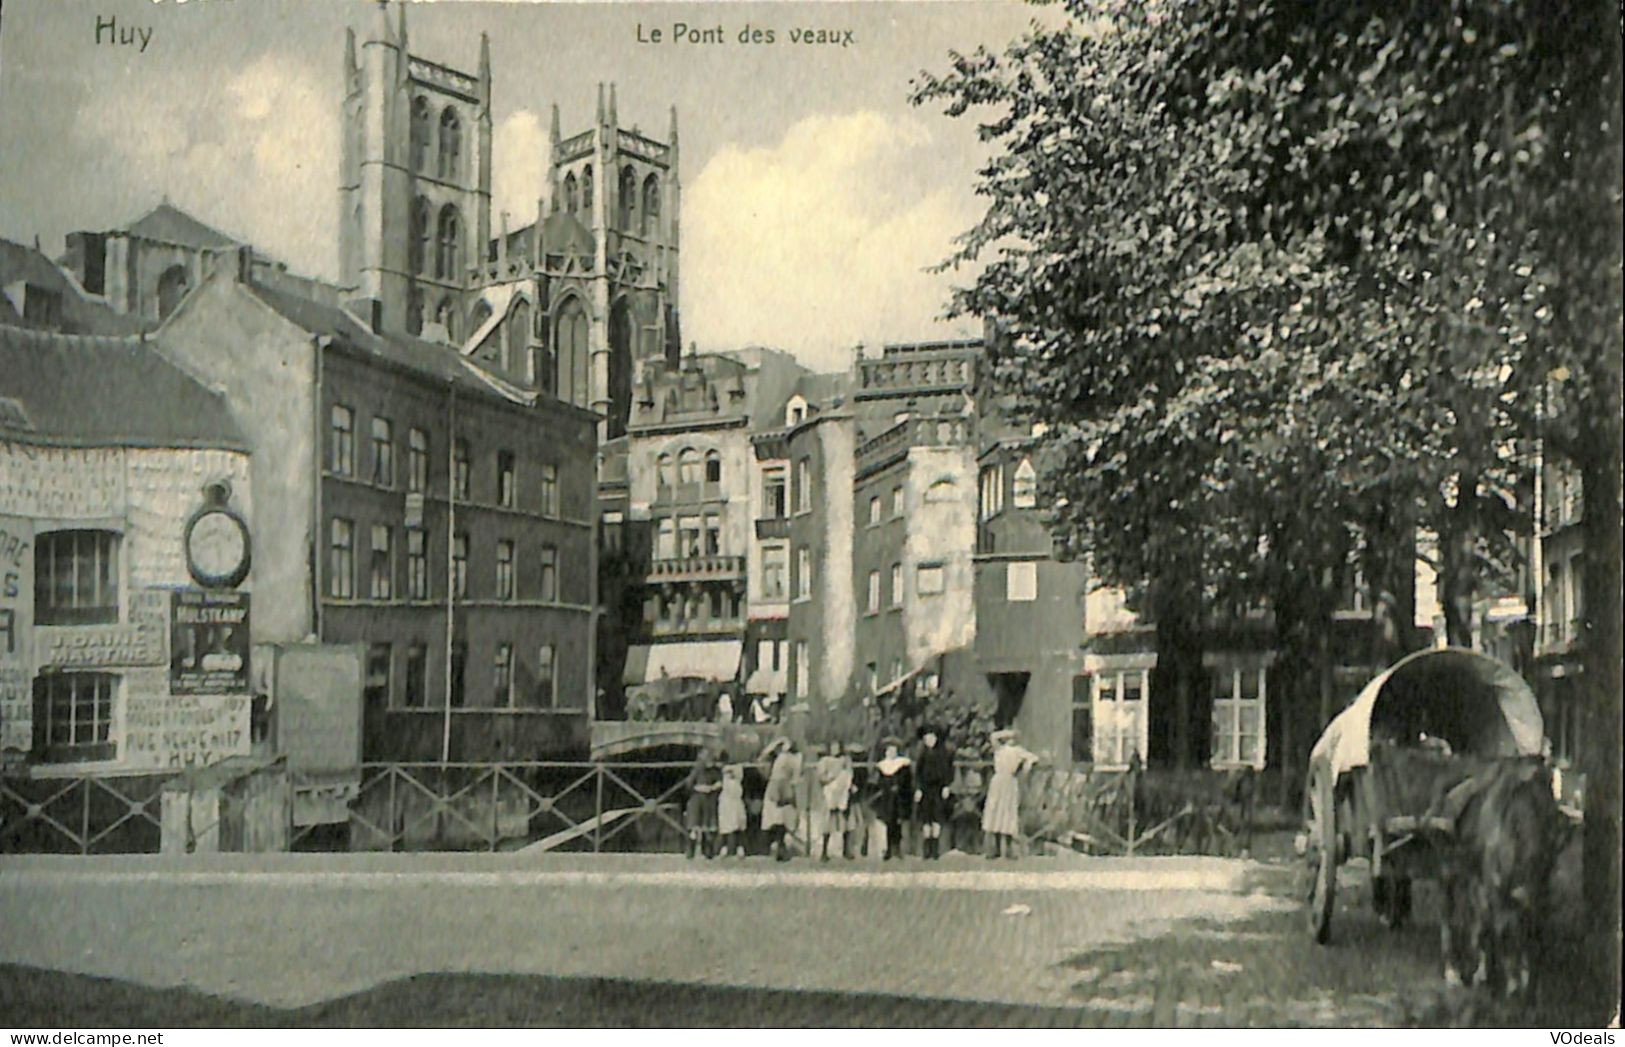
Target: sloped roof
{"points": [[439, 361], [563, 233], [92, 391], [21, 264], [170, 224]]}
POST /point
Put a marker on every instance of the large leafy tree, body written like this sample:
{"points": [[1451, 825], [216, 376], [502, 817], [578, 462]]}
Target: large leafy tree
{"points": [[1288, 281]]}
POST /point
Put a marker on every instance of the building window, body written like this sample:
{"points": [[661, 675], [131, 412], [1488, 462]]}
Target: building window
{"points": [[571, 196], [172, 287], [414, 308], [505, 479], [550, 489], [416, 692], [586, 188], [417, 564], [383, 563], [874, 511], [1021, 581], [460, 470], [457, 667], [774, 567], [871, 673], [651, 204], [664, 477], [341, 560], [928, 579], [803, 572], [713, 467], [451, 145], [341, 448], [459, 566], [1083, 721], [550, 573], [1120, 718], [1238, 717], [773, 493], [803, 669], [418, 244], [376, 692], [73, 716], [420, 133], [992, 491], [448, 250], [873, 605], [546, 676], [505, 570], [896, 501], [383, 452], [713, 535], [689, 466], [628, 202], [517, 330], [417, 461], [502, 676], [897, 585], [666, 539], [1024, 488], [803, 490], [76, 577]]}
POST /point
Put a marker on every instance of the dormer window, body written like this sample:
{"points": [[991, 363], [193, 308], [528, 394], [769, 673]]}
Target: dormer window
{"points": [[1024, 489], [795, 412]]}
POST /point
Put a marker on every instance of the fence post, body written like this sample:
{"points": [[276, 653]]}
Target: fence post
{"points": [[598, 809], [496, 807], [1133, 828], [84, 817]]}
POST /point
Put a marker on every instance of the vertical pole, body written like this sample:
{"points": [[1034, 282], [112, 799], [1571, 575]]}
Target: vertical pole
{"points": [[598, 810], [451, 565]]}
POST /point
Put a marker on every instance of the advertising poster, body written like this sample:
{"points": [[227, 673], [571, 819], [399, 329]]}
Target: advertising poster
{"points": [[16, 634], [209, 643]]}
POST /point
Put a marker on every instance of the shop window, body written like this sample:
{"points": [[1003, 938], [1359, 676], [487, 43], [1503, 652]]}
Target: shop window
{"points": [[73, 716], [416, 691], [383, 563], [341, 443], [76, 577], [383, 452], [341, 559], [377, 690], [417, 564], [1238, 717]]}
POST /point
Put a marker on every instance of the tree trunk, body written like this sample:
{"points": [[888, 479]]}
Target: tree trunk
{"points": [[1602, 657], [1456, 576]]}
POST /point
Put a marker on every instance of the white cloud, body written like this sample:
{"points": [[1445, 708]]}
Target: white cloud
{"points": [[518, 165], [256, 166], [821, 241]]}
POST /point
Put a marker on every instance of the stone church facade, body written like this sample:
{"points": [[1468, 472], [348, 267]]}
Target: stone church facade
{"points": [[578, 303]]}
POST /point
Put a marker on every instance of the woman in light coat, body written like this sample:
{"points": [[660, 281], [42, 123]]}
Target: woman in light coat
{"points": [[1001, 815]]}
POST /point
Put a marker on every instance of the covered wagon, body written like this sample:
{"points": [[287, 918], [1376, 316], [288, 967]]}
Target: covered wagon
{"points": [[1390, 769]]}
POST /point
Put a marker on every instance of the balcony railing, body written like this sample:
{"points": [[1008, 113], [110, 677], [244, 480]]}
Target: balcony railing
{"points": [[773, 527], [923, 431], [935, 370], [714, 568], [689, 491]]}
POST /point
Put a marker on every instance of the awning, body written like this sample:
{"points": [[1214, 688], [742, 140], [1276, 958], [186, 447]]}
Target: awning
{"points": [[767, 681], [700, 659], [637, 663]]}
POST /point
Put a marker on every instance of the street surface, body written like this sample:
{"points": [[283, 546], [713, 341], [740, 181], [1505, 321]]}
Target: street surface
{"points": [[289, 930], [528, 939]]}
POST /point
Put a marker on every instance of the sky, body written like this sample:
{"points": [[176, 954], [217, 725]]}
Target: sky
{"points": [[814, 195]]}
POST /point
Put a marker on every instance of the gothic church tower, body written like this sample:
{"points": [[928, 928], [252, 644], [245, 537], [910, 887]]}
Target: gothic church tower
{"points": [[415, 181]]}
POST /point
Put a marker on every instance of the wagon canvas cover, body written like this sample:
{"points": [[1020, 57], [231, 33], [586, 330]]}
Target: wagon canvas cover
{"points": [[1476, 703]]}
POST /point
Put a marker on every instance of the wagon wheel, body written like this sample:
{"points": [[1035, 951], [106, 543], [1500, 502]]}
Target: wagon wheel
{"points": [[1320, 855]]}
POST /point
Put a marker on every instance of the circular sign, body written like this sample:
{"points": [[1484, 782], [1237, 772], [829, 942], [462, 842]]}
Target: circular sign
{"points": [[217, 547]]}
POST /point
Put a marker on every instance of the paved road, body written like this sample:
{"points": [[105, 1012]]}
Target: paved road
{"points": [[288, 930]]}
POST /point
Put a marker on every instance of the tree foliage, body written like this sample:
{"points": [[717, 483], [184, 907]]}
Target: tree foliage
{"points": [[1287, 281]]}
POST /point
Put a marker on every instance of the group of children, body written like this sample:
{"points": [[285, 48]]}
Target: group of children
{"points": [[897, 787]]}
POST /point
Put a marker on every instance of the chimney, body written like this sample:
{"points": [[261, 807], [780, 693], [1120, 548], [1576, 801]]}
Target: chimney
{"points": [[369, 311], [245, 264]]}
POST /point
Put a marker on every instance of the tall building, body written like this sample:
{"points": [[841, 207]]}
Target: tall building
{"points": [[576, 303]]}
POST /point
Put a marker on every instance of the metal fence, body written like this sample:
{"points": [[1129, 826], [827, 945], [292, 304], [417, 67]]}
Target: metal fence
{"points": [[593, 806]]}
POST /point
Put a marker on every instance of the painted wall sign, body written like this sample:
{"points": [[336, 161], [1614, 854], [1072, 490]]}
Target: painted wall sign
{"points": [[99, 646], [61, 482], [209, 642], [164, 731], [16, 633]]}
